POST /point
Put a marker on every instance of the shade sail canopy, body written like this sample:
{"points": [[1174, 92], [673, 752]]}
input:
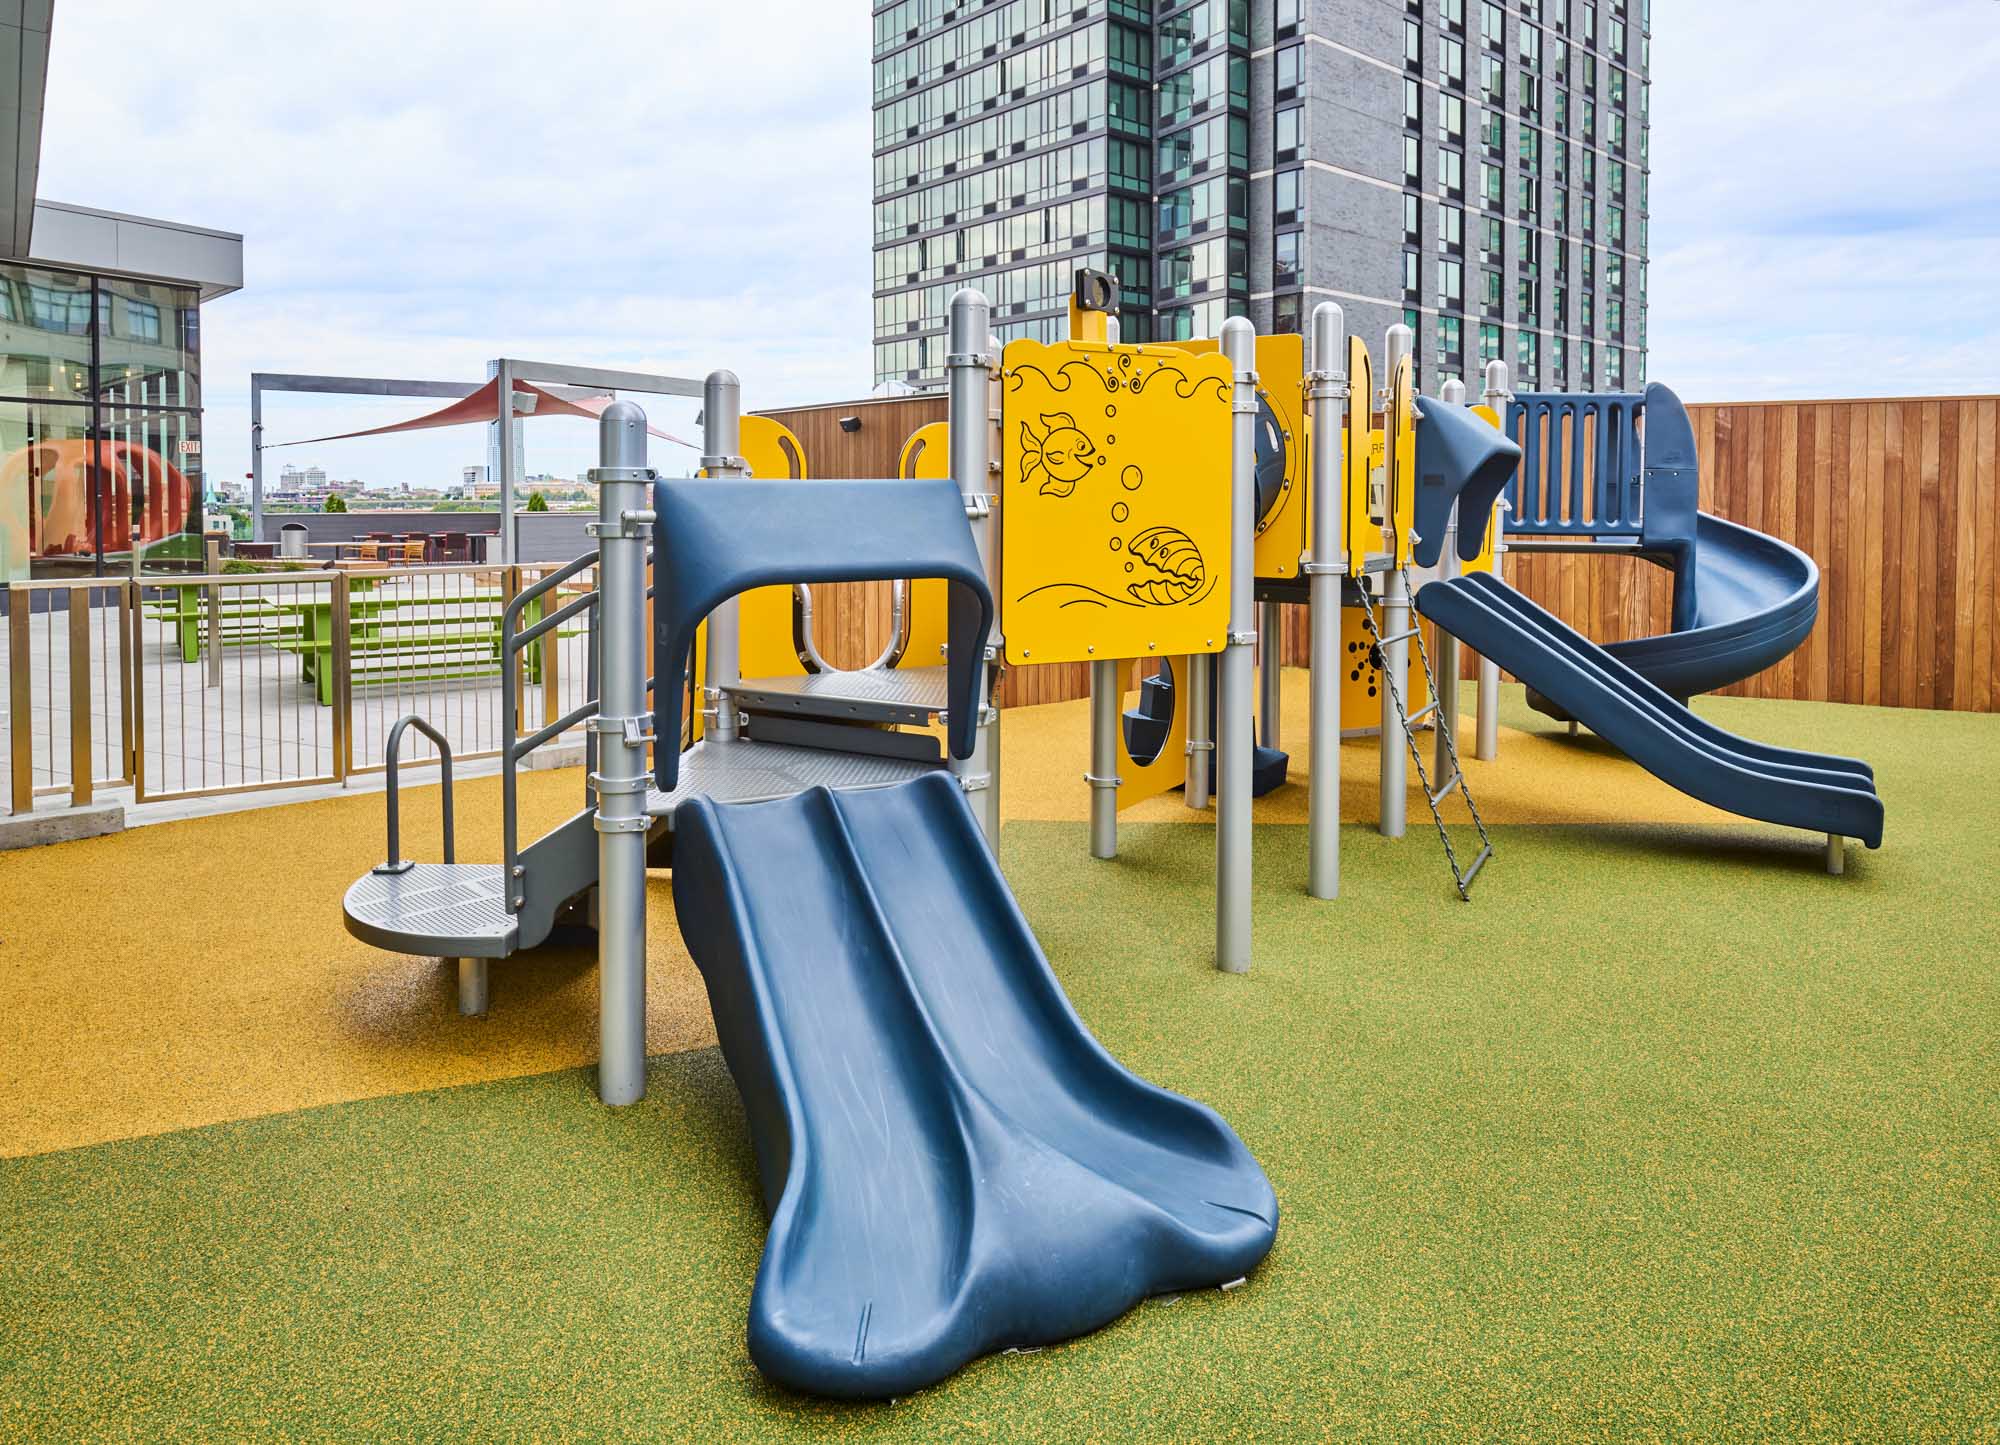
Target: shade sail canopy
{"points": [[483, 405]]}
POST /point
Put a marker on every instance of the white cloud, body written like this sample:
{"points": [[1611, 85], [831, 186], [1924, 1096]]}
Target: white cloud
{"points": [[1825, 199]]}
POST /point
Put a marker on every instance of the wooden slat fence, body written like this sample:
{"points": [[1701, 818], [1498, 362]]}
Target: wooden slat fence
{"points": [[1895, 499]]}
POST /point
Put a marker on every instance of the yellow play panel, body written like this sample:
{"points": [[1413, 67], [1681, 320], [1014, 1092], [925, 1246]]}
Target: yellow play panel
{"points": [[1114, 506]]}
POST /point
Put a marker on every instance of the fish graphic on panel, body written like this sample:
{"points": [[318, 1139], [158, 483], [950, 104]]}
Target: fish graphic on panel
{"points": [[1115, 513]]}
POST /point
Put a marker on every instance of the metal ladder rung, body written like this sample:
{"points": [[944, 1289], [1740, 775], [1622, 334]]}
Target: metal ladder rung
{"points": [[1420, 714], [1445, 791], [1395, 637], [1465, 882]]}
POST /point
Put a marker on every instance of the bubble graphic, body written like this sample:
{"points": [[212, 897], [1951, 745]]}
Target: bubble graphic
{"points": [[1131, 478], [1117, 544], [1110, 410], [1128, 566], [1119, 511]]}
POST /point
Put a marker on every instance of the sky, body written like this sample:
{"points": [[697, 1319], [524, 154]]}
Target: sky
{"points": [[668, 186]]}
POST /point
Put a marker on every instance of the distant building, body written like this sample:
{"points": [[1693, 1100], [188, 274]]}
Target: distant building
{"points": [[1476, 169]]}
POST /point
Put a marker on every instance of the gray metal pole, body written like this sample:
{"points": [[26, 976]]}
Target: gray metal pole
{"points": [[722, 456], [256, 462], [474, 986], [1444, 719], [1270, 680], [1327, 388], [1103, 777], [624, 523], [1200, 746], [1234, 739], [1395, 620], [973, 409], [1486, 746]]}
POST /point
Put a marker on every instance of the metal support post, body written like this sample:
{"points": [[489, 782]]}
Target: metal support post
{"points": [[1395, 655], [81, 765], [1836, 854], [1270, 662], [256, 462], [474, 987], [722, 456], [1200, 745], [972, 370], [1327, 390], [1103, 777], [1486, 746], [624, 523], [506, 455], [1234, 739]]}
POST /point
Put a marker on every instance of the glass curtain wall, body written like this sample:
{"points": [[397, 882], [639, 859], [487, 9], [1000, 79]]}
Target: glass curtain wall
{"points": [[100, 423]]}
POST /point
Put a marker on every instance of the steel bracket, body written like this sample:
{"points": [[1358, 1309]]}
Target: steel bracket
{"points": [[974, 782], [621, 825], [1322, 569], [1242, 639], [1096, 781], [717, 465], [622, 474], [618, 787], [981, 359]]}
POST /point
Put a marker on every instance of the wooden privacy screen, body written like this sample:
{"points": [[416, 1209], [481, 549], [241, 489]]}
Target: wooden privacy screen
{"points": [[1896, 501]]}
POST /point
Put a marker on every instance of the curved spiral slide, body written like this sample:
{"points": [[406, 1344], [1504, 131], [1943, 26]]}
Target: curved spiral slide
{"points": [[951, 1163]]}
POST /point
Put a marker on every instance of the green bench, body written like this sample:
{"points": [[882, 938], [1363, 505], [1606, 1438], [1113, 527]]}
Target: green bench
{"points": [[420, 639]]}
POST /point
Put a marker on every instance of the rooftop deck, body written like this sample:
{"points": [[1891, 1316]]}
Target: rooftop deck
{"points": [[1667, 1133]]}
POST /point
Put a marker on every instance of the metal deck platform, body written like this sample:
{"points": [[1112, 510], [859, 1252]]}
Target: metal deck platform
{"points": [[451, 910], [885, 695], [753, 772]]}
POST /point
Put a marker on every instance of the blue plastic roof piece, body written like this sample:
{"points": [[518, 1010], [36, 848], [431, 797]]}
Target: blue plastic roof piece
{"points": [[1459, 459], [714, 537]]}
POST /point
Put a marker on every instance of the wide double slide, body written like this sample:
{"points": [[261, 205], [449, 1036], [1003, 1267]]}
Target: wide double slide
{"points": [[1814, 791], [951, 1163]]}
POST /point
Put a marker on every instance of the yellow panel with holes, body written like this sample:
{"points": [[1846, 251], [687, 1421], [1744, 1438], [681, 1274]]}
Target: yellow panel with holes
{"points": [[1115, 501], [927, 454]]}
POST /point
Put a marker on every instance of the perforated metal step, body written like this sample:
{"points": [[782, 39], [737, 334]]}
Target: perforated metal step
{"points": [[452, 910], [753, 772], [887, 695]]}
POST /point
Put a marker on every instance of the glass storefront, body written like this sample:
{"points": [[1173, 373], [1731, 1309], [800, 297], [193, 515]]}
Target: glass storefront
{"points": [[100, 423]]}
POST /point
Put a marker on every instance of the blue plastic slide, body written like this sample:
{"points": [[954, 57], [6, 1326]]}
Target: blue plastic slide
{"points": [[1776, 785], [951, 1163], [1742, 600]]}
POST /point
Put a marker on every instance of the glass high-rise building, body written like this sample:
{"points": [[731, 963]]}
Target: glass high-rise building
{"points": [[1475, 169]]}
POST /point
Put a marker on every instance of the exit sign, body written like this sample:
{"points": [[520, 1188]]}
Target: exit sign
{"points": [[190, 447]]}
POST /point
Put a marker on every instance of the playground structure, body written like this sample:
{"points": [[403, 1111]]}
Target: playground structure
{"points": [[910, 1067], [81, 496]]}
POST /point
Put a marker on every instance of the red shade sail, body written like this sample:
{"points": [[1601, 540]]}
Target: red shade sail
{"points": [[483, 405]]}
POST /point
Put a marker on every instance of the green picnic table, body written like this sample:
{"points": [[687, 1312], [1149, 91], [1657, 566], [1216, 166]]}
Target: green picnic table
{"points": [[407, 639]]}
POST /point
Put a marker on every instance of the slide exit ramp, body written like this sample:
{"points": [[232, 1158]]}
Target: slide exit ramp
{"points": [[951, 1163], [1618, 472], [1825, 794]]}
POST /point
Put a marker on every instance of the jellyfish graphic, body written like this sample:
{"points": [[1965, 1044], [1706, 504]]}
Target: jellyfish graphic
{"points": [[1061, 453]]}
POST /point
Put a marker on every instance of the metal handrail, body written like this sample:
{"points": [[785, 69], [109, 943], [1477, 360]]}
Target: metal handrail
{"points": [[513, 749], [396, 863]]}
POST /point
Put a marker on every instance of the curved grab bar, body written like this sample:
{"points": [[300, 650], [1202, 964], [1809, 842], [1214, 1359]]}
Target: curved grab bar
{"points": [[397, 864], [808, 652]]}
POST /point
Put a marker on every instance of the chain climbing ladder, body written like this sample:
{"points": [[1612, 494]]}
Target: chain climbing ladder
{"points": [[1447, 730]]}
